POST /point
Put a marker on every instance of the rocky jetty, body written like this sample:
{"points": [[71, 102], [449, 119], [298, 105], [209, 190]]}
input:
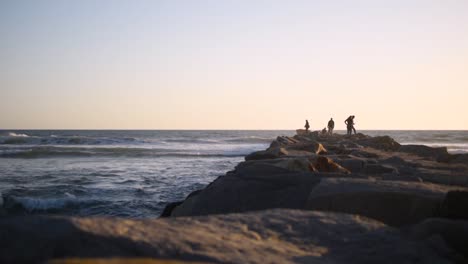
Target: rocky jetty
{"points": [[310, 198], [370, 176]]}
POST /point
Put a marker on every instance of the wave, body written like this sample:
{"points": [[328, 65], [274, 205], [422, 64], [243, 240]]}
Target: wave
{"points": [[12, 138], [251, 139], [12, 134], [31, 204], [49, 151], [24, 139]]}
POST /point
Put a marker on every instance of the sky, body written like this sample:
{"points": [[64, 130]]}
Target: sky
{"points": [[245, 64]]}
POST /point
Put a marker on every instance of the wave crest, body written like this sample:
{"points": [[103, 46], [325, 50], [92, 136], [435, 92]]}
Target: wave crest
{"points": [[48, 151]]}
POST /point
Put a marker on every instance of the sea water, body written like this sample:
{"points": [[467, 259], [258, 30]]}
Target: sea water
{"points": [[131, 173]]}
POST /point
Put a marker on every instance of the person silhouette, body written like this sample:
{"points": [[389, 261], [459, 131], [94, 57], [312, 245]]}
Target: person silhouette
{"points": [[331, 126], [350, 125], [307, 125]]}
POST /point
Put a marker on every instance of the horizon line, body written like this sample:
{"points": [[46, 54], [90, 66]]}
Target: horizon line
{"points": [[214, 129]]}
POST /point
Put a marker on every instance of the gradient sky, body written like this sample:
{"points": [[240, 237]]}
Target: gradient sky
{"points": [[233, 64]]}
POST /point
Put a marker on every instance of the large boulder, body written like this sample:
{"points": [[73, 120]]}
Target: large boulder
{"points": [[264, 154], [453, 232], [439, 154], [381, 142], [251, 187], [395, 203], [273, 236]]}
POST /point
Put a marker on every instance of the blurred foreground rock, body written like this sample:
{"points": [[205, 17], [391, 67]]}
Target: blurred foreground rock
{"points": [[273, 236]]}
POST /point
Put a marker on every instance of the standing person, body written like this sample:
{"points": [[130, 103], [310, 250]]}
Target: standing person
{"points": [[307, 125], [350, 125], [331, 126]]}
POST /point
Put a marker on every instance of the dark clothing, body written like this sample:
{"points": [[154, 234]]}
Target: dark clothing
{"points": [[350, 125], [307, 125], [331, 126]]}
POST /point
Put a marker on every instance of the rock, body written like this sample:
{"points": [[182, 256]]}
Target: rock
{"points": [[266, 154], [2, 209], [263, 167], [439, 154], [310, 146], [395, 203], [293, 164], [302, 132], [169, 207], [455, 205], [460, 158], [379, 169], [385, 143], [273, 236], [251, 187], [286, 140], [355, 165], [325, 164], [362, 153], [454, 233]]}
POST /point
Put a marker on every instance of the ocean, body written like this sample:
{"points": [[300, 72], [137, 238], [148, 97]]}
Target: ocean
{"points": [[135, 173]]}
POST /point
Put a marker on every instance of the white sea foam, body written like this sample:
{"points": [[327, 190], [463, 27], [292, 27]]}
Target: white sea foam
{"points": [[12, 134]]}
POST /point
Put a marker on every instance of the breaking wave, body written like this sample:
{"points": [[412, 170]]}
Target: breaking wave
{"points": [[52, 151], [33, 204]]}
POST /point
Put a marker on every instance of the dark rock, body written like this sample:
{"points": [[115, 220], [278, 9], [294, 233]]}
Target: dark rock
{"points": [[273, 236], [379, 169], [353, 165], [395, 203], [248, 191], [259, 155], [455, 205], [311, 146], [325, 164], [168, 209], [460, 158], [385, 143], [439, 154], [454, 233]]}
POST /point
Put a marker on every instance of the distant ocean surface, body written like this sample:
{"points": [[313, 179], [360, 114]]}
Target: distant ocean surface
{"points": [[130, 173]]}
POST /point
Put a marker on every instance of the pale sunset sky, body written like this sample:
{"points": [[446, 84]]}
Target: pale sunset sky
{"points": [[173, 64]]}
